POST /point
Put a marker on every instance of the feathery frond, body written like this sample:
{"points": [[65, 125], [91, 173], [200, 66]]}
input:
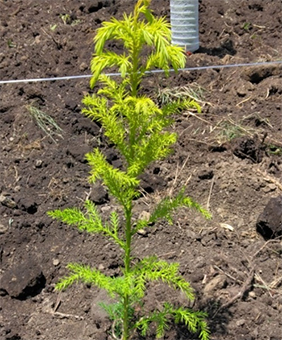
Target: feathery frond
{"points": [[120, 184], [192, 319], [153, 269], [90, 221], [87, 275], [109, 59], [167, 206]]}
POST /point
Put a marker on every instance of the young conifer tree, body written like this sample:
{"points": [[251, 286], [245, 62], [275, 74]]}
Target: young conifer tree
{"points": [[137, 127]]}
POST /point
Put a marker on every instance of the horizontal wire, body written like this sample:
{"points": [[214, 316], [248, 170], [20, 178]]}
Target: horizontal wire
{"points": [[197, 68]]}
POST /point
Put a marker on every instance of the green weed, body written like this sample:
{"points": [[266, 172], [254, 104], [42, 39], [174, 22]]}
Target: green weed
{"points": [[227, 130], [45, 122], [53, 27], [68, 20], [274, 150], [247, 26], [11, 44]]}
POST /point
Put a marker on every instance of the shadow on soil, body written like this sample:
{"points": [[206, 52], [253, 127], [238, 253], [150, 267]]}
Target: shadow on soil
{"points": [[226, 48]]}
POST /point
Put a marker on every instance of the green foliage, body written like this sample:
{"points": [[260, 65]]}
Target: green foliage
{"points": [[115, 313], [90, 221], [46, 123], [165, 208], [273, 149], [137, 126], [135, 33], [193, 320], [153, 269]]}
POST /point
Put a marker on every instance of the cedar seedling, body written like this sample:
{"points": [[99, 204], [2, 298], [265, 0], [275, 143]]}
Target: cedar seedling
{"points": [[137, 127]]}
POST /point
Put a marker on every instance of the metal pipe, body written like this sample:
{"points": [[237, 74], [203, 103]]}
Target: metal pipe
{"points": [[184, 19]]}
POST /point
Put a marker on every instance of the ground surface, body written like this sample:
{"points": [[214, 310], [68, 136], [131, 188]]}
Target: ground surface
{"points": [[229, 157]]}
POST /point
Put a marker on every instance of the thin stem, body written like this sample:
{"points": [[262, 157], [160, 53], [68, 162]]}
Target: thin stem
{"points": [[128, 209], [127, 265], [125, 334], [135, 52], [128, 214], [134, 74]]}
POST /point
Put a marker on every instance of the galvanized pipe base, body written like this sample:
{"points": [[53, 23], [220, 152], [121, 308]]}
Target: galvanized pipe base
{"points": [[184, 18]]}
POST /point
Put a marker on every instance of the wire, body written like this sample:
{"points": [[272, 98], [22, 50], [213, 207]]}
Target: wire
{"points": [[197, 68]]}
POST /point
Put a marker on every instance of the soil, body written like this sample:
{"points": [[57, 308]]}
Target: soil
{"points": [[229, 158]]}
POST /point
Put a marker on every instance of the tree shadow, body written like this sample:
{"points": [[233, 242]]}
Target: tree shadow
{"points": [[225, 48], [217, 320]]}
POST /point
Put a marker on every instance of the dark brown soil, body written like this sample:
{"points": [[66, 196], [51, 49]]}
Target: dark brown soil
{"points": [[229, 157]]}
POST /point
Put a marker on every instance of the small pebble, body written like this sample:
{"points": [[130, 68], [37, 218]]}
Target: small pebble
{"points": [[56, 262], [3, 229], [83, 66], [7, 202], [38, 163], [252, 295], [142, 232], [240, 322], [144, 215]]}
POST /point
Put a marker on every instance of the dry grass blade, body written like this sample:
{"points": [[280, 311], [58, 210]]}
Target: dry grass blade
{"points": [[263, 285], [177, 174], [194, 92], [258, 119], [228, 130], [46, 123], [276, 283]]}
